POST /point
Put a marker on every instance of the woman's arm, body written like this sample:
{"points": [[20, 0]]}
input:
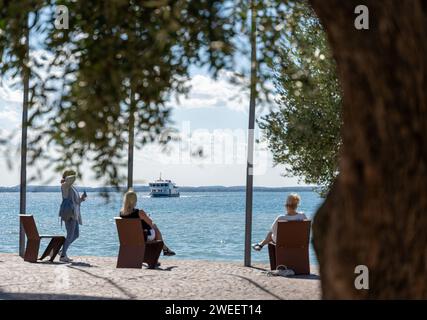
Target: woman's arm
{"points": [[274, 227], [82, 198], [145, 217], [66, 186], [78, 198], [68, 181]]}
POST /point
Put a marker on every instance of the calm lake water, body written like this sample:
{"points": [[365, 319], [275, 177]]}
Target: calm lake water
{"points": [[197, 225]]}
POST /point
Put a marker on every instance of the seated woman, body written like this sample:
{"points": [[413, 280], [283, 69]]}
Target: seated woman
{"points": [[151, 231], [292, 215]]}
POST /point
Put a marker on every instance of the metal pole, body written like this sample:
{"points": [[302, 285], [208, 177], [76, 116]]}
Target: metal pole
{"points": [[23, 184], [131, 139], [251, 126]]}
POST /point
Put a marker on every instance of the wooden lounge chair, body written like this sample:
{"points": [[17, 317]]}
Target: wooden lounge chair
{"points": [[291, 247], [33, 241], [134, 250]]}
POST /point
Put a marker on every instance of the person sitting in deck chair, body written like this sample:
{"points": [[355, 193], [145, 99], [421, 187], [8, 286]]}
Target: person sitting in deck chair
{"points": [[292, 215], [151, 231]]}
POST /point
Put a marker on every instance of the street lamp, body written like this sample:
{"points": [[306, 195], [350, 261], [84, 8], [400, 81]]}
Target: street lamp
{"points": [[23, 184], [251, 127]]}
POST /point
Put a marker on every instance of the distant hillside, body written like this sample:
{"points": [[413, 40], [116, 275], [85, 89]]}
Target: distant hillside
{"points": [[146, 189]]}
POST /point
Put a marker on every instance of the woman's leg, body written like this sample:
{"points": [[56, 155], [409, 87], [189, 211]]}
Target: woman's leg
{"points": [[260, 245], [159, 236], [76, 231], [268, 239], [70, 226], [158, 233]]}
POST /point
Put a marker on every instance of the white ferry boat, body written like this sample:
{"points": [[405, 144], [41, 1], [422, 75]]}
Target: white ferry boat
{"points": [[163, 188]]}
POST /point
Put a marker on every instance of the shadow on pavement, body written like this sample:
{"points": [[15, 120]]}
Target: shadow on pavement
{"points": [[306, 277], [114, 284], [48, 296], [256, 284], [47, 262], [58, 263], [167, 269], [310, 276], [81, 264], [258, 268]]}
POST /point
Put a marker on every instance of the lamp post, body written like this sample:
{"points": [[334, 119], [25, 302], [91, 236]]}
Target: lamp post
{"points": [[23, 184], [251, 126]]}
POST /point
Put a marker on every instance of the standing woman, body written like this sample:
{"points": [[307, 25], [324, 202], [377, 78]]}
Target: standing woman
{"points": [[70, 194]]}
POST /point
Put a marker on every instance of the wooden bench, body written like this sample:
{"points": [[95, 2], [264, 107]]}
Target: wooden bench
{"points": [[34, 239], [291, 247], [134, 250]]}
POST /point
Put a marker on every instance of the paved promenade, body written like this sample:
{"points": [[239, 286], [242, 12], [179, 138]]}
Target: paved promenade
{"points": [[97, 278]]}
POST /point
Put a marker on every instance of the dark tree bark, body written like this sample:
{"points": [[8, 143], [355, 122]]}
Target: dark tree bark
{"points": [[376, 212]]}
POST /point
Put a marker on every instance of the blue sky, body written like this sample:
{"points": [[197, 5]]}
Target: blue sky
{"points": [[213, 116], [209, 111], [206, 111]]}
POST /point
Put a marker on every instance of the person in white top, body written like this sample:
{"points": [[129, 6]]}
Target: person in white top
{"points": [[291, 206]]}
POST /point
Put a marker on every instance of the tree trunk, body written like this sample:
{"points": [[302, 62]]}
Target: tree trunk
{"points": [[376, 212]]}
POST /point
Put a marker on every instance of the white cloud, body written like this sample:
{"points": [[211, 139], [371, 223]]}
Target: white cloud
{"points": [[11, 98], [9, 95], [9, 115], [10, 103], [209, 93]]}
